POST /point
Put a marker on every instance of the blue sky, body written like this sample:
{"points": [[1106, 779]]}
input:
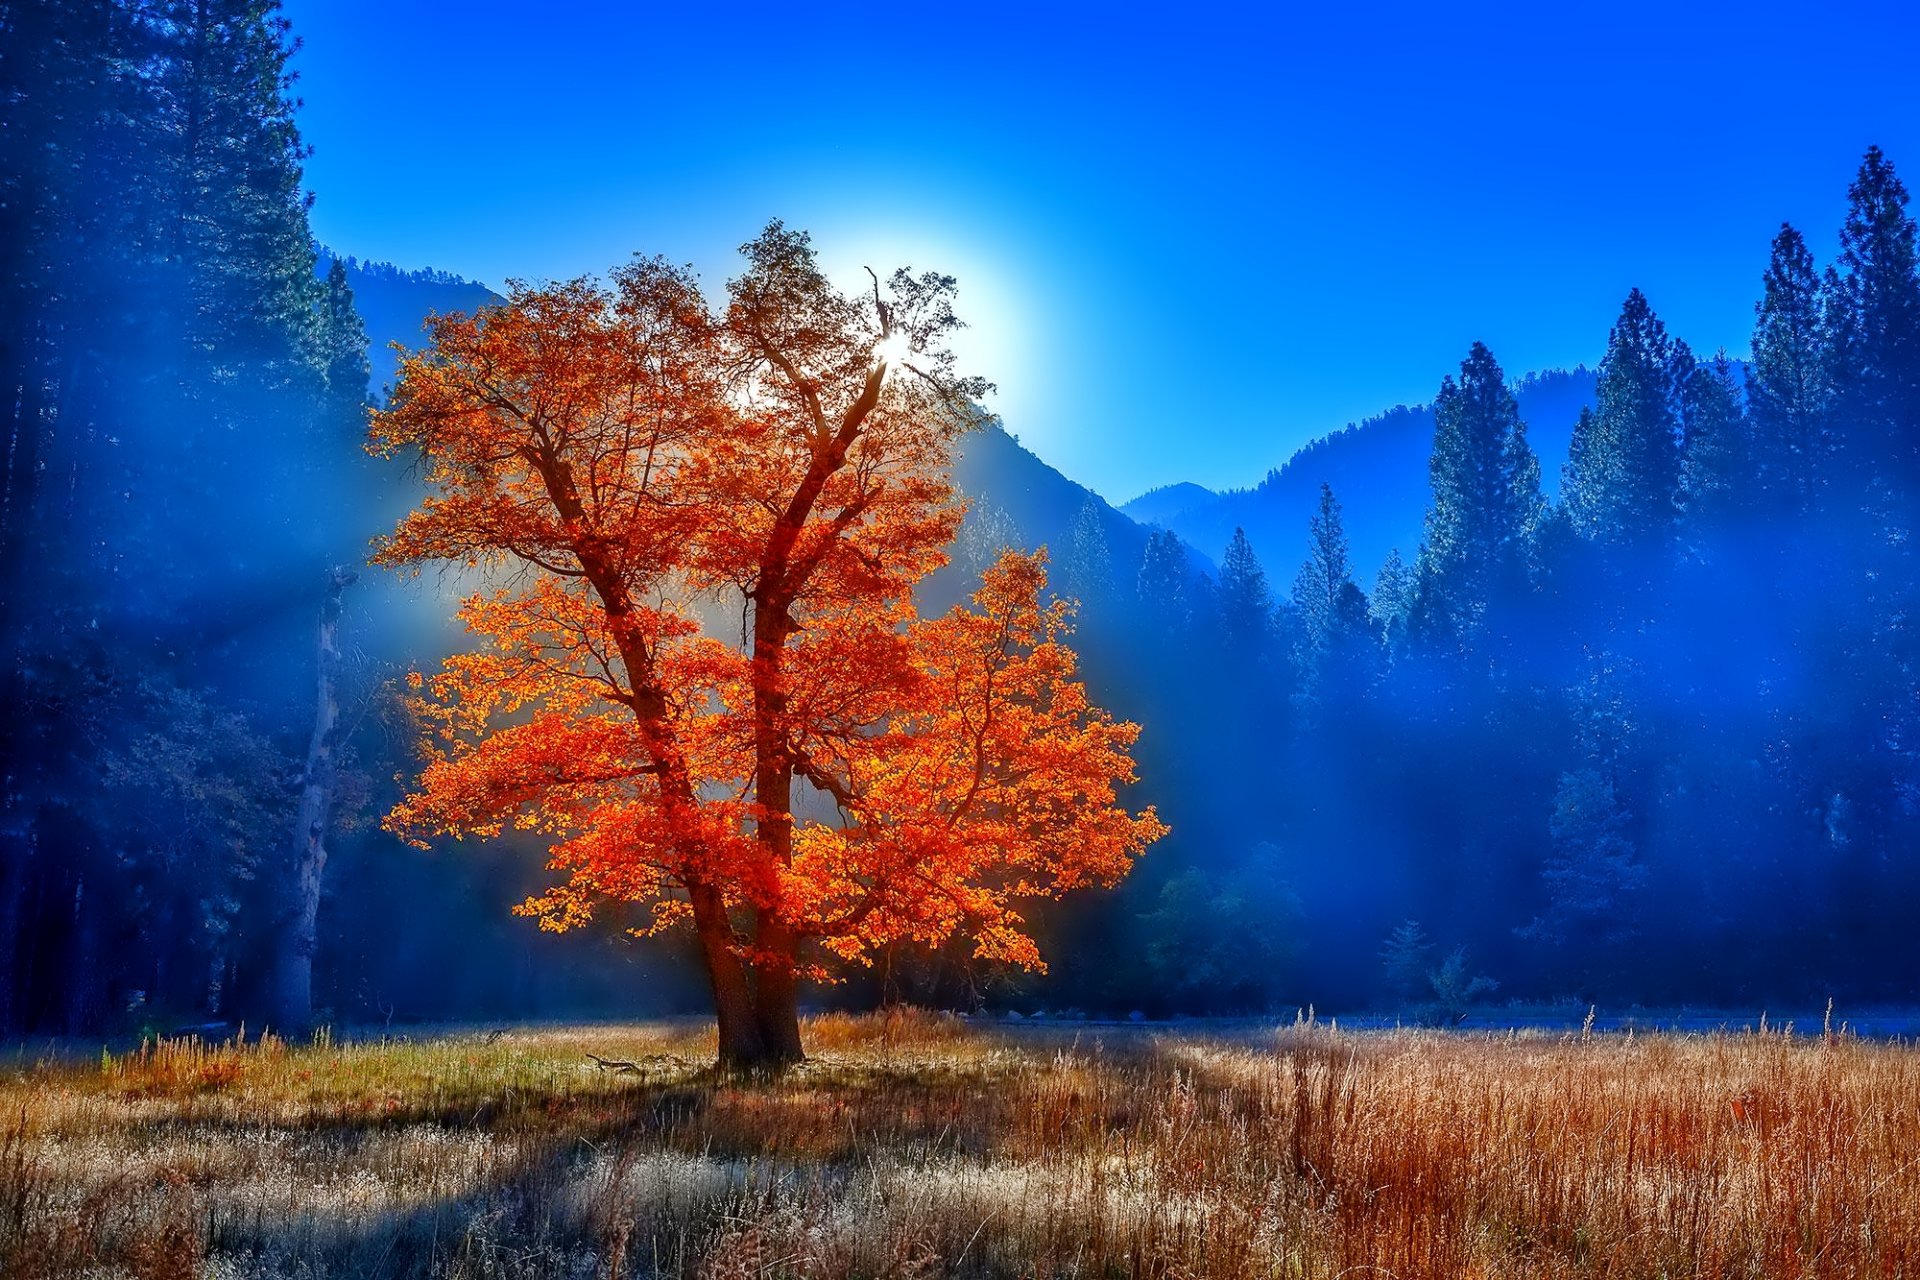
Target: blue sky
{"points": [[1188, 238]]}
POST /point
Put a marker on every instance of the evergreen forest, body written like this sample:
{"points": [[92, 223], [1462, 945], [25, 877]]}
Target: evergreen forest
{"points": [[1613, 699]]}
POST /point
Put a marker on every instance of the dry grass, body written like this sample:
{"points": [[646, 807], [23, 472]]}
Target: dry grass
{"points": [[918, 1146]]}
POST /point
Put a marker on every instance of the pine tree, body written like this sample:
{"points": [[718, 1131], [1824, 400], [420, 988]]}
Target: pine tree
{"points": [[1334, 635], [239, 236], [1087, 575], [1787, 392], [1391, 602], [343, 352], [77, 347], [1161, 585], [161, 333], [258, 433], [1245, 603], [1318, 586], [1582, 482], [1592, 875], [1716, 470], [985, 534], [1406, 956], [1873, 318], [1624, 467], [1486, 499], [1872, 296], [74, 250]]}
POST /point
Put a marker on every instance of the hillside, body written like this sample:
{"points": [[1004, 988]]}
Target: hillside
{"points": [[1027, 502], [1005, 483], [1165, 505], [1378, 470], [394, 304], [1377, 467]]}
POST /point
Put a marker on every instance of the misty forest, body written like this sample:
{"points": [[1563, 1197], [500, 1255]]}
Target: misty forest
{"points": [[1583, 687], [644, 773]]}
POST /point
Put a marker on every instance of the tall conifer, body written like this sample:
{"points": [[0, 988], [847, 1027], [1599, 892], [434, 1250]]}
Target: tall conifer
{"points": [[1161, 585], [1873, 320], [1787, 391], [1317, 588], [1716, 471], [1624, 468], [1486, 498], [1245, 602]]}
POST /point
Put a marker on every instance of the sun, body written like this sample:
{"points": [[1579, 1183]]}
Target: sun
{"points": [[893, 349]]}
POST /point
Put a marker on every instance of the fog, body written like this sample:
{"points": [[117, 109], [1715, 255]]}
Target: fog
{"points": [[1642, 732]]}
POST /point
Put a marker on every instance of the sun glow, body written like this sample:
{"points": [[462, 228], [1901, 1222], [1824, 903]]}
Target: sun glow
{"points": [[893, 349]]}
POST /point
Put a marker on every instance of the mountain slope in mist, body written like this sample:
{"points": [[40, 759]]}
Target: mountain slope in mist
{"points": [[1012, 495], [1001, 477], [1378, 470], [1165, 505], [394, 304]]}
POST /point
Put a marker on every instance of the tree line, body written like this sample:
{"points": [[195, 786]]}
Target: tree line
{"points": [[1654, 740], [1651, 740], [179, 380], [201, 715]]}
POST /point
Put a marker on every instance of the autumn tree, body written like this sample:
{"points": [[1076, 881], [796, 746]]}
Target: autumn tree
{"points": [[846, 776]]}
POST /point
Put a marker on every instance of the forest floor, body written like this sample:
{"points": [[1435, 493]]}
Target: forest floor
{"points": [[916, 1145]]}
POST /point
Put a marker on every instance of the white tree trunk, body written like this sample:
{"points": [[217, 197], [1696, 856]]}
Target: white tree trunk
{"points": [[296, 932]]}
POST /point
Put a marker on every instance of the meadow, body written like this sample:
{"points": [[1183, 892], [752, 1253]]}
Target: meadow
{"points": [[921, 1145]]}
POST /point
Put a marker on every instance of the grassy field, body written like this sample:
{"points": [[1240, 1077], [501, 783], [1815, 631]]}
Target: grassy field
{"points": [[921, 1146]]}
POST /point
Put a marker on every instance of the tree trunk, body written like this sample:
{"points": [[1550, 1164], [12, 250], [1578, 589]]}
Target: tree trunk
{"points": [[82, 968], [297, 934], [741, 1047], [775, 982], [19, 763], [776, 992], [15, 848]]}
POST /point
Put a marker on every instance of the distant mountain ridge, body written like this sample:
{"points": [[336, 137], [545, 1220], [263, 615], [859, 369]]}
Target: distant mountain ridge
{"points": [[1378, 470], [1004, 480], [394, 304], [1163, 505], [1377, 467], [1027, 500]]}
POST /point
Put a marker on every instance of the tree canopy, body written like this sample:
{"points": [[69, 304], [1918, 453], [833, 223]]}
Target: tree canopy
{"points": [[843, 773]]}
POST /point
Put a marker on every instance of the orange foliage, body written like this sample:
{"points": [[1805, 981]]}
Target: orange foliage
{"points": [[621, 462]]}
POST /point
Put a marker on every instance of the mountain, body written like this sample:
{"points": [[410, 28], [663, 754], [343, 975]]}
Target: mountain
{"points": [[1015, 498], [1165, 505], [1378, 467], [394, 304], [1006, 485], [1378, 470]]}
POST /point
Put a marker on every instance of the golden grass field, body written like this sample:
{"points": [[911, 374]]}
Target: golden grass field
{"points": [[915, 1145]]}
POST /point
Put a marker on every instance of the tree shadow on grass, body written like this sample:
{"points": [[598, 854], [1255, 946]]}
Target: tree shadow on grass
{"points": [[540, 1182]]}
